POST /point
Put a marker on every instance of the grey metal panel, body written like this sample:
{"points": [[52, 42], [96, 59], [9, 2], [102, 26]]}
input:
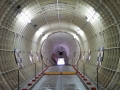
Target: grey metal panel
{"points": [[60, 69], [59, 82], [72, 82], [67, 68]]}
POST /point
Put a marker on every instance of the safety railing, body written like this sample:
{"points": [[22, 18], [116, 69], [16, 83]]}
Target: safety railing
{"points": [[15, 78], [99, 74]]}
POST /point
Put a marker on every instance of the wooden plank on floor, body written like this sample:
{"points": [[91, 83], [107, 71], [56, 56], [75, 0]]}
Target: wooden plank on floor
{"points": [[59, 73], [52, 73]]}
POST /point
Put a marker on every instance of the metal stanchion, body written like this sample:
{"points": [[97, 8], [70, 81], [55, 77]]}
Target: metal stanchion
{"points": [[42, 66], [18, 79], [35, 71], [83, 68], [77, 65], [72, 61], [46, 62], [49, 62], [97, 77]]}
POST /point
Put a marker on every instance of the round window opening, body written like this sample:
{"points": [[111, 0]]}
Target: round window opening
{"points": [[60, 53]]}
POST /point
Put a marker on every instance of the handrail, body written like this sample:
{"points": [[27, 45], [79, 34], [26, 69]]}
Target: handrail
{"points": [[104, 75], [8, 71], [15, 69], [100, 66]]}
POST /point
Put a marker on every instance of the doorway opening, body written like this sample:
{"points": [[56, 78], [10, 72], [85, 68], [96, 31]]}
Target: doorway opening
{"points": [[61, 61]]}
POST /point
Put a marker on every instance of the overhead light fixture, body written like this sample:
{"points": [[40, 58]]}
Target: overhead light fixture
{"points": [[89, 18], [25, 17]]}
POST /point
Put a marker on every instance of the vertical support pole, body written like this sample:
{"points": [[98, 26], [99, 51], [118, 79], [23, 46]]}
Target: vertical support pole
{"points": [[18, 79], [72, 61], [49, 62], [42, 66], [83, 68], [35, 71], [97, 77], [77, 65], [46, 62]]}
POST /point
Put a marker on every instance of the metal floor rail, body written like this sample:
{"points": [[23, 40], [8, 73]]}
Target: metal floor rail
{"points": [[60, 78]]}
